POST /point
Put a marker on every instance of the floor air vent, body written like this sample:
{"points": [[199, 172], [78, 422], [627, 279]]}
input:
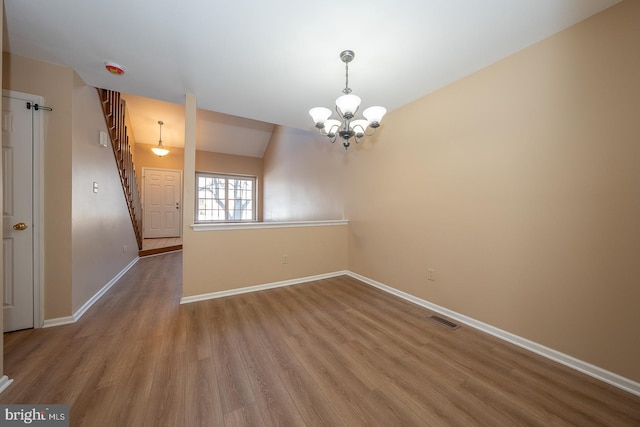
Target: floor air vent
{"points": [[443, 322]]}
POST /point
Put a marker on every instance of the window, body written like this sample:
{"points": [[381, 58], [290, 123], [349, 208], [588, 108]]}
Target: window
{"points": [[225, 197]]}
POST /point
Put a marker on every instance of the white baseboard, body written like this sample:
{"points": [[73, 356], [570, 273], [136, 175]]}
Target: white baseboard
{"points": [[87, 305], [58, 321], [4, 383], [230, 292], [564, 359]]}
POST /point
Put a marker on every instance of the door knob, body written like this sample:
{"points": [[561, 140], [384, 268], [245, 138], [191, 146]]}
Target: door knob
{"points": [[20, 226]]}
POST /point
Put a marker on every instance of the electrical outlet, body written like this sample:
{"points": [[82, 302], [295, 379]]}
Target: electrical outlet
{"points": [[285, 260], [431, 274], [124, 249]]}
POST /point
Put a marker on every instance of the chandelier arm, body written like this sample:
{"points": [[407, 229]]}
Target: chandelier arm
{"points": [[328, 135], [370, 134]]}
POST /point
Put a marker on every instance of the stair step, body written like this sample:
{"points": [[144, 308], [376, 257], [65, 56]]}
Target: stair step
{"points": [[156, 251]]}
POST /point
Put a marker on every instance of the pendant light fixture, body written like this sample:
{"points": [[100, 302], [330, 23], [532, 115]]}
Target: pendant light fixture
{"points": [[347, 106], [160, 151]]}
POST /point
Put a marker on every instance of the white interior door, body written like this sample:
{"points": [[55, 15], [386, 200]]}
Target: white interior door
{"points": [[162, 203], [17, 203]]}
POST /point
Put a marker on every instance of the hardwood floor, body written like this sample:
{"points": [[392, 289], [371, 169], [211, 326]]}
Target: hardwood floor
{"points": [[334, 352]]}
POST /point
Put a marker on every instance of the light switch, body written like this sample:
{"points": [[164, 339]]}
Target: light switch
{"points": [[95, 187], [104, 139]]}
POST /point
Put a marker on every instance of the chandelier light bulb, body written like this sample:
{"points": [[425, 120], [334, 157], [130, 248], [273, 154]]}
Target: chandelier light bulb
{"points": [[348, 105], [359, 127], [331, 127], [320, 116], [374, 115]]}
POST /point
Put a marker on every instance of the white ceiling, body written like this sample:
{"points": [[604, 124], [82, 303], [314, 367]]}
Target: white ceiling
{"points": [[270, 61]]}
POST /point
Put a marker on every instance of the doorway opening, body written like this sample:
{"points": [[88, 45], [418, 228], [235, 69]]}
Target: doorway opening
{"points": [[162, 207]]}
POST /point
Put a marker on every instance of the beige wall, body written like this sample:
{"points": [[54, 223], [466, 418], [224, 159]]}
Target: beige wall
{"points": [[521, 188], [84, 234], [101, 227], [217, 261], [144, 158], [221, 260], [304, 177], [55, 84], [205, 161]]}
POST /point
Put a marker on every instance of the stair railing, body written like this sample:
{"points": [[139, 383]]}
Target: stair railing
{"points": [[114, 110]]}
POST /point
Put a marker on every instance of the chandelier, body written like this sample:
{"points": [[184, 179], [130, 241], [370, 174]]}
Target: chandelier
{"points": [[160, 150], [347, 106]]}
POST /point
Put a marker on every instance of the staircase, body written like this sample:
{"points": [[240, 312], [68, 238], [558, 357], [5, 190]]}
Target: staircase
{"points": [[114, 114]]}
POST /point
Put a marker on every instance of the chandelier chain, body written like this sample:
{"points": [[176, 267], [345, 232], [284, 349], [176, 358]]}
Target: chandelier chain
{"points": [[346, 90]]}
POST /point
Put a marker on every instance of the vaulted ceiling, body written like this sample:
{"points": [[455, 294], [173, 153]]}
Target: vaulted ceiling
{"points": [[260, 63], [216, 132]]}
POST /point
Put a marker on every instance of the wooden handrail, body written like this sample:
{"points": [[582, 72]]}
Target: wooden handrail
{"points": [[114, 110]]}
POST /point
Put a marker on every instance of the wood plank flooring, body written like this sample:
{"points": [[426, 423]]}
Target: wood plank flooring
{"points": [[334, 352]]}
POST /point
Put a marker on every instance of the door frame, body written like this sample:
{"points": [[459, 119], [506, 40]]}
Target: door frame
{"points": [[144, 182], [37, 201]]}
